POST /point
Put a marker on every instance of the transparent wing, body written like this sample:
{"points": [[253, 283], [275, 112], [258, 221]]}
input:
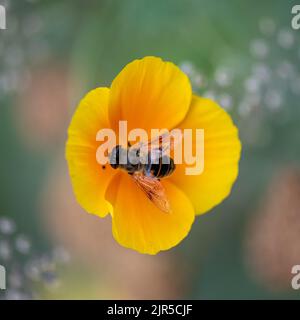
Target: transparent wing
{"points": [[154, 190], [160, 145]]}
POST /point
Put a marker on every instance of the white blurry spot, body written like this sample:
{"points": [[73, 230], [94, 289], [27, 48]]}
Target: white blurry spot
{"points": [[210, 95], [17, 294], [259, 48], [262, 72], [273, 99], [15, 280], [9, 81], [285, 70], [23, 245], [46, 263], [5, 250], [32, 270], [223, 77], [60, 255], [14, 294], [7, 226], [198, 80], [22, 271], [244, 108], [188, 68], [252, 85], [267, 26], [226, 101], [249, 104], [285, 38]]}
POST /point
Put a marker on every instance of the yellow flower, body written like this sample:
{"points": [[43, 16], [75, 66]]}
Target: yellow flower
{"points": [[150, 93]]}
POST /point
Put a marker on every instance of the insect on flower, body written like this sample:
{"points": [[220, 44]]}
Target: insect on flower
{"points": [[147, 174], [152, 203]]}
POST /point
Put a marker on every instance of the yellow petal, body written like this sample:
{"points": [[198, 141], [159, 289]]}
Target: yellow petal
{"points": [[222, 150], [89, 179], [138, 224], [149, 93]]}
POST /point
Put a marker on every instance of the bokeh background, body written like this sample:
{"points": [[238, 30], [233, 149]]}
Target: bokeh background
{"points": [[243, 54]]}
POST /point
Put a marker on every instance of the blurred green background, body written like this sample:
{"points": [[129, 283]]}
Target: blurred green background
{"points": [[245, 55]]}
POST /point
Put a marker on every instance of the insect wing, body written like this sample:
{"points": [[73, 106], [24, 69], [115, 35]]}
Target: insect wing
{"points": [[154, 190], [160, 146]]}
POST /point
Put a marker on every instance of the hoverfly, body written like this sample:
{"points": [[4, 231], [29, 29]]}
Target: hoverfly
{"points": [[147, 174]]}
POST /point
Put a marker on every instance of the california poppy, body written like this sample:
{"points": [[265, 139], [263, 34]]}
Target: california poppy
{"points": [[150, 93]]}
